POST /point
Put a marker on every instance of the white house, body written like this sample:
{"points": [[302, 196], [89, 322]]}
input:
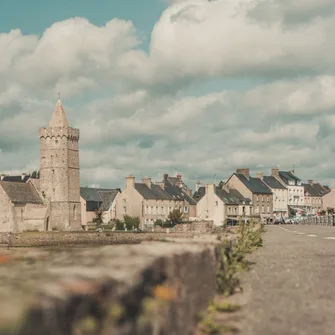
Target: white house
{"points": [[280, 195], [295, 189], [219, 204]]}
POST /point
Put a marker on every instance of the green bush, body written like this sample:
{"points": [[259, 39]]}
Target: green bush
{"points": [[131, 222], [119, 224]]}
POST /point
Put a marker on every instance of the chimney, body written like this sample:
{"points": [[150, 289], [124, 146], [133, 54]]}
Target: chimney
{"points": [[225, 187], [130, 182], [197, 185], [160, 184], [275, 172], [310, 182], [210, 188], [259, 175], [147, 181], [165, 177], [179, 176], [2, 176], [245, 172], [23, 176]]}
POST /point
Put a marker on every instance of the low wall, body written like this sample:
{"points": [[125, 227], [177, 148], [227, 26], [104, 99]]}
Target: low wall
{"points": [[328, 220], [151, 288], [39, 239], [195, 227]]}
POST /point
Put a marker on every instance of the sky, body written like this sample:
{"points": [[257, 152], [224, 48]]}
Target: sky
{"points": [[194, 87]]}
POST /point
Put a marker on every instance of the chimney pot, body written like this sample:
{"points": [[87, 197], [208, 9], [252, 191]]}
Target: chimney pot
{"points": [[259, 175], [310, 182], [23, 175]]}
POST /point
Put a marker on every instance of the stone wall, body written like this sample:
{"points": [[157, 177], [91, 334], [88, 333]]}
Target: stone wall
{"points": [[151, 288], [195, 227], [39, 239]]}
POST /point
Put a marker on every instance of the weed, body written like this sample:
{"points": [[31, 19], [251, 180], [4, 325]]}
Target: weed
{"points": [[231, 257]]}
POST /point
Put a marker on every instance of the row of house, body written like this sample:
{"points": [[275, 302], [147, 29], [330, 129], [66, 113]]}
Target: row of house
{"points": [[242, 196]]}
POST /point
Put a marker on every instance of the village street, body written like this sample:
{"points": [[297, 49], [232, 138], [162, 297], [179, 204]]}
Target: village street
{"points": [[290, 288]]}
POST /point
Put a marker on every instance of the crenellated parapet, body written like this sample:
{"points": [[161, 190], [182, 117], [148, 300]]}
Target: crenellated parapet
{"points": [[59, 132]]}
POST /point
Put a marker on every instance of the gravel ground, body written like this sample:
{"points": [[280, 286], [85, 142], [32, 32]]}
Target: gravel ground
{"points": [[290, 289]]}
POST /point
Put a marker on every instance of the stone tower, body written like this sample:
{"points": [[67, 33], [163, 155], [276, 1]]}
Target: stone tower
{"points": [[59, 172]]}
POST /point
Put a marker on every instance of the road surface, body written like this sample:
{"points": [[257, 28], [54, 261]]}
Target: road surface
{"points": [[291, 287]]}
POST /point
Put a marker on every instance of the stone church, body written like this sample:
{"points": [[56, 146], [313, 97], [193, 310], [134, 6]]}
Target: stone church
{"points": [[52, 201]]}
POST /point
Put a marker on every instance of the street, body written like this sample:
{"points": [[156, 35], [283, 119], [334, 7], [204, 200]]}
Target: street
{"points": [[291, 287]]}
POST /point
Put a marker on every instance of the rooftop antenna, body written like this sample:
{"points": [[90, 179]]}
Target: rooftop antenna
{"points": [[215, 178], [58, 95]]}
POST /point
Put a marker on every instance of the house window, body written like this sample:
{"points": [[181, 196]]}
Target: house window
{"points": [[157, 210], [216, 203], [123, 202], [146, 221], [262, 209], [185, 209], [243, 210], [124, 210], [268, 209], [146, 210], [162, 210], [152, 210]]}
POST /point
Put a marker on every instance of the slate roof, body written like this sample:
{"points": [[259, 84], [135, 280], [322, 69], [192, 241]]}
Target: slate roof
{"points": [[21, 193], [233, 197], [17, 179], [177, 192], [155, 192], [287, 175], [272, 182], [255, 185], [98, 197], [315, 190]]}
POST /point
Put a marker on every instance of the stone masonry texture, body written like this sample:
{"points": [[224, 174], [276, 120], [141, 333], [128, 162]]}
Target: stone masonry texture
{"points": [[156, 287], [60, 172]]}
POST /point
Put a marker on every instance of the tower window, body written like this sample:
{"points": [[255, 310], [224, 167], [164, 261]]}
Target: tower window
{"points": [[56, 141]]}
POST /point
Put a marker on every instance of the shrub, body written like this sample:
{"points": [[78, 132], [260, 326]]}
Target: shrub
{"points": [[159, 223], [119, 224], [131, 222]]}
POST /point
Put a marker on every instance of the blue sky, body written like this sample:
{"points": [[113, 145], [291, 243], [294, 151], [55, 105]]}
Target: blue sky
{"points": [[34, 16]]}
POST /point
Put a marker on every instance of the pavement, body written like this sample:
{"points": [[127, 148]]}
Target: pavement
{"points": [[291, 287]]}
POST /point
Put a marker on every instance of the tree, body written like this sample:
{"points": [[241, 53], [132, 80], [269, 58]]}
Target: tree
{"points": [[131, 222], [99, 215], [330, 211], [323, 212], [175, 217]]}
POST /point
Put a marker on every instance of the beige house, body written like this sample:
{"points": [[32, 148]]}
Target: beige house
{"points": [[21, 207], [221, 204], [146, 200], [178, 190], [92, 199], [328, 199], [254, 189], [314, 195]]}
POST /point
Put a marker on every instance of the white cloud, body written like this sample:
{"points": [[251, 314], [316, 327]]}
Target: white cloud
{"points": [[145, 123]]}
